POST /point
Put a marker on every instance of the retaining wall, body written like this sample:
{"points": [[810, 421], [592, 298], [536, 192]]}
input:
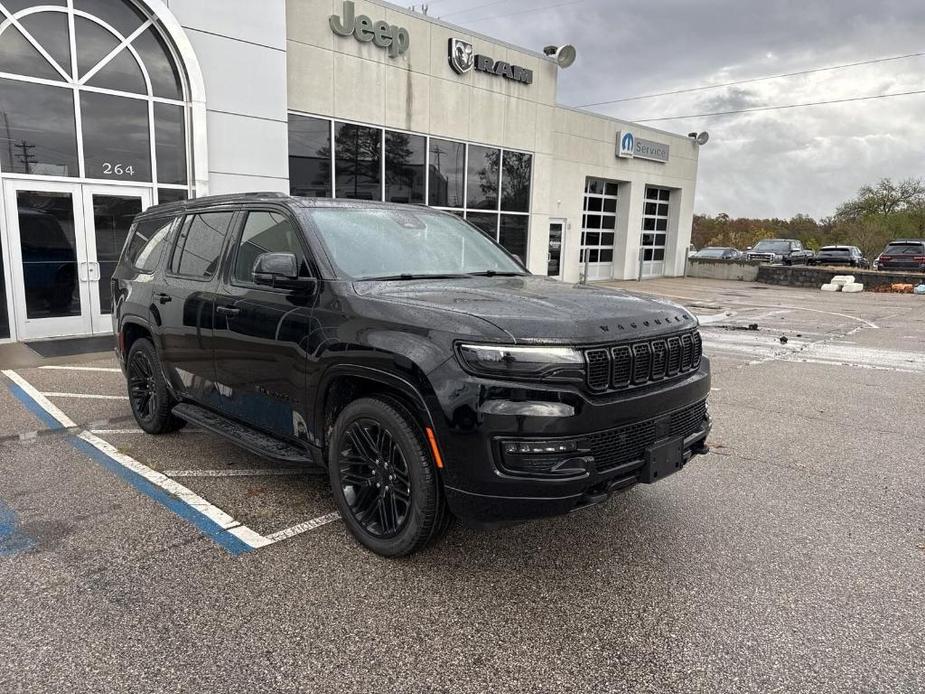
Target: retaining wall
{"points": [[815, 277], [722, 269]]}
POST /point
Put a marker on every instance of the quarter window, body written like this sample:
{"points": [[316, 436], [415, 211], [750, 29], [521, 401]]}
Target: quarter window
{"points": [[147, 243], [267, 232], [199, 244]]}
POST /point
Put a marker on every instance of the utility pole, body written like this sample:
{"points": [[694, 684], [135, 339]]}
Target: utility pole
{"points": [[9, 140], [27, 158]]}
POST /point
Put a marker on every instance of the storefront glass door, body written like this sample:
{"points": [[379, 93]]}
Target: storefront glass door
{"points": [[63, 240], [554, 265]]}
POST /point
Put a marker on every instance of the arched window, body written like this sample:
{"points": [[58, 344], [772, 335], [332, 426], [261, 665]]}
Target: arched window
{"points": [[91, 89]]}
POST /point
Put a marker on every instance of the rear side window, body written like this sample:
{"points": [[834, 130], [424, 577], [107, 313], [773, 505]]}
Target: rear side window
{"points": [[199, 244], [266, 232], [146, 244]]}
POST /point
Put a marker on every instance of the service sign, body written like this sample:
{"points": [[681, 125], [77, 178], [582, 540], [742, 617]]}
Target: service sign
{"points": [[631, 147]]}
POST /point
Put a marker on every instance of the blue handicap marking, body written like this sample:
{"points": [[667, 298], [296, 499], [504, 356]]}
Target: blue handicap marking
{"points": [[12, 539]]}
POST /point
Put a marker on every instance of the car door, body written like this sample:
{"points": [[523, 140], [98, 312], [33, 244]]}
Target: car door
{"points": [[261, 331], [184, 303]]}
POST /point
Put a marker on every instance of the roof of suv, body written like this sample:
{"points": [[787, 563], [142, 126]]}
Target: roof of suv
{"points": [[258, 197]]}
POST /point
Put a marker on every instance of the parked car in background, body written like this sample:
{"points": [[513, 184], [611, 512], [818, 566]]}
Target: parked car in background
{"points": [[718, 253], [786, 251], [841, 255], [905, 254]]}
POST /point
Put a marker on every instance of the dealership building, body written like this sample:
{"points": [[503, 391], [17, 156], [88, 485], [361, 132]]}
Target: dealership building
{"points": [[109, 106]]}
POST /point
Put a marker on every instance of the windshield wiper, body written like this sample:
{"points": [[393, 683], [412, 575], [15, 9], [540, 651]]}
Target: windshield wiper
{"points": [[496, 273], [410, 276]]}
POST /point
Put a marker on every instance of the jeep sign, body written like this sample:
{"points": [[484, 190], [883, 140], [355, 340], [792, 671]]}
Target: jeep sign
{"points": [[384, 35]]}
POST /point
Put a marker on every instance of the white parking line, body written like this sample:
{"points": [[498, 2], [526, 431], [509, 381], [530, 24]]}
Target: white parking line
{"points": [[85, 396], [82, 368], [231, 473], [177, 492], [304, 527], [40, 399]]}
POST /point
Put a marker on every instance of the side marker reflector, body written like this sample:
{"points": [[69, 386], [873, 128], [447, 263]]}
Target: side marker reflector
{"points": [[438, 459]]}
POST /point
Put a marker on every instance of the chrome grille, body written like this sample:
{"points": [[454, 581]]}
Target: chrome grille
{"points": [[640, 363]]}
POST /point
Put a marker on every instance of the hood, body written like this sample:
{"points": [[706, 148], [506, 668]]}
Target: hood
{"points": [[540, 309]]}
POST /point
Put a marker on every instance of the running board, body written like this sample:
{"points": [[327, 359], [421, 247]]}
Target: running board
{"points": [[256, 442]]}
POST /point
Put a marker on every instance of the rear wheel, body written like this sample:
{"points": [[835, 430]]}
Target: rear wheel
{"points": [[147, 390], [383, 478]]}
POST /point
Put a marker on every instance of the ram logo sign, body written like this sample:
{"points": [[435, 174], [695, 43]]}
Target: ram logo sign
{"points": [[463, 58]]}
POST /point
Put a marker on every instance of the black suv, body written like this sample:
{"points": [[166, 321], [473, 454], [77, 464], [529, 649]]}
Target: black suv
{"points": [[905, 254], [786, 251], [408, 355]]}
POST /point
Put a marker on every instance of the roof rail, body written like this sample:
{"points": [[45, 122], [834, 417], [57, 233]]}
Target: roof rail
{"points": [[218, 200]]}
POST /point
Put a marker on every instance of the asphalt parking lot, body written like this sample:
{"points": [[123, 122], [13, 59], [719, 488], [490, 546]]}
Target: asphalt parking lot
{"points": [[792, 558]]}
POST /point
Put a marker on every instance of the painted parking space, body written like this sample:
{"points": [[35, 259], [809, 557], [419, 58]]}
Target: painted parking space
{"points": [[233, 497]]}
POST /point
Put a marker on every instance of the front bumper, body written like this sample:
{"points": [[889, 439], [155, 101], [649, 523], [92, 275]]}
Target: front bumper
{"points": [[612, 432]]}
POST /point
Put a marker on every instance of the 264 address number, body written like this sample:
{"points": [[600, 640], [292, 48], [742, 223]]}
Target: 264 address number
{"points": [[110, 169]]}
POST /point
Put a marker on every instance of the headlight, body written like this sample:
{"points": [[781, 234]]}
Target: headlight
{"points": [[547, 363]]}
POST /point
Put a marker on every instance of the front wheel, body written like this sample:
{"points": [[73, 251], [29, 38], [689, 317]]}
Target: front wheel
{"points": [[384, 481]]}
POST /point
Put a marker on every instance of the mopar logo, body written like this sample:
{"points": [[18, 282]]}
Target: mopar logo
{"points": [[626, 145]]}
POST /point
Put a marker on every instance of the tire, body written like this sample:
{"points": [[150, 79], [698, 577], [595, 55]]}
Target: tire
{"points": [[383, 478], [148, 396]]}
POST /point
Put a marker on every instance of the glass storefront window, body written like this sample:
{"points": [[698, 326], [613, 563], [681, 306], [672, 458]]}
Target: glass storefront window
{"points": [[162, 69], [46, 27], [126, 157], [483, 178], [513, 234], [37, 131], [447, 173], [515, 182], [165, 195], [357, 162], [19, 57], [170, 143], [4, 314], [309, 157], [405, 157], [486, 221]]}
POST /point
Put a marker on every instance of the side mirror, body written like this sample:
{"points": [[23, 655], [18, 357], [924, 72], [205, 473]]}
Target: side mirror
{"points": [[280, 271]]}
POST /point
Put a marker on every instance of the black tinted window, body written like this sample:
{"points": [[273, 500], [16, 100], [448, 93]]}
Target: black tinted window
{"points": [[404, 167], [483, 177], [266, 232], [447, 173], [146, 244], [199, 244], [905, 249]]}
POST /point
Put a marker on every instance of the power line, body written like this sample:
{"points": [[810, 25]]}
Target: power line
{"points": [[753, 79], [776, 108], [531, 10], [477, 7]]}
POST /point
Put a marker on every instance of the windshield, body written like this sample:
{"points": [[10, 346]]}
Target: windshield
{"points": [[712, 252], [772, 247], [405, 244], [905, 249]]}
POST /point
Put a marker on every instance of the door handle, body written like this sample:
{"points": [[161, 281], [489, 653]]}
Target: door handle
{"points": [[93, 271], [230, 311], [163, 298], [83, 272]]}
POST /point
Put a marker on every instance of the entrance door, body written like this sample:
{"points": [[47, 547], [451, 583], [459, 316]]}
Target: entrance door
{"points": [[108, 214], [554, 265], [64, 240]]}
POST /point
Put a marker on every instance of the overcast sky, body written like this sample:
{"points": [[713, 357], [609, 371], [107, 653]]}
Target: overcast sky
{"points": [[776, 163]]}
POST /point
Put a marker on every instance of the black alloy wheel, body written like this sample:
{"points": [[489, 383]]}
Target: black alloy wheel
{"points": [[384, 478], [148, 395], [374, 478], [142, 387]]}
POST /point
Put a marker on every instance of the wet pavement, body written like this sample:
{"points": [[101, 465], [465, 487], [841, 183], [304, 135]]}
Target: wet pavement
{"points": [[790, 559]]}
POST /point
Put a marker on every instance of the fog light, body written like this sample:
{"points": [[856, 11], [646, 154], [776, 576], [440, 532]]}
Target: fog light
{"points": [[546, 458]]}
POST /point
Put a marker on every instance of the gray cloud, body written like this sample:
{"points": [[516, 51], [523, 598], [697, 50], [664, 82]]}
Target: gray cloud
{"points": [[775, 163]]}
